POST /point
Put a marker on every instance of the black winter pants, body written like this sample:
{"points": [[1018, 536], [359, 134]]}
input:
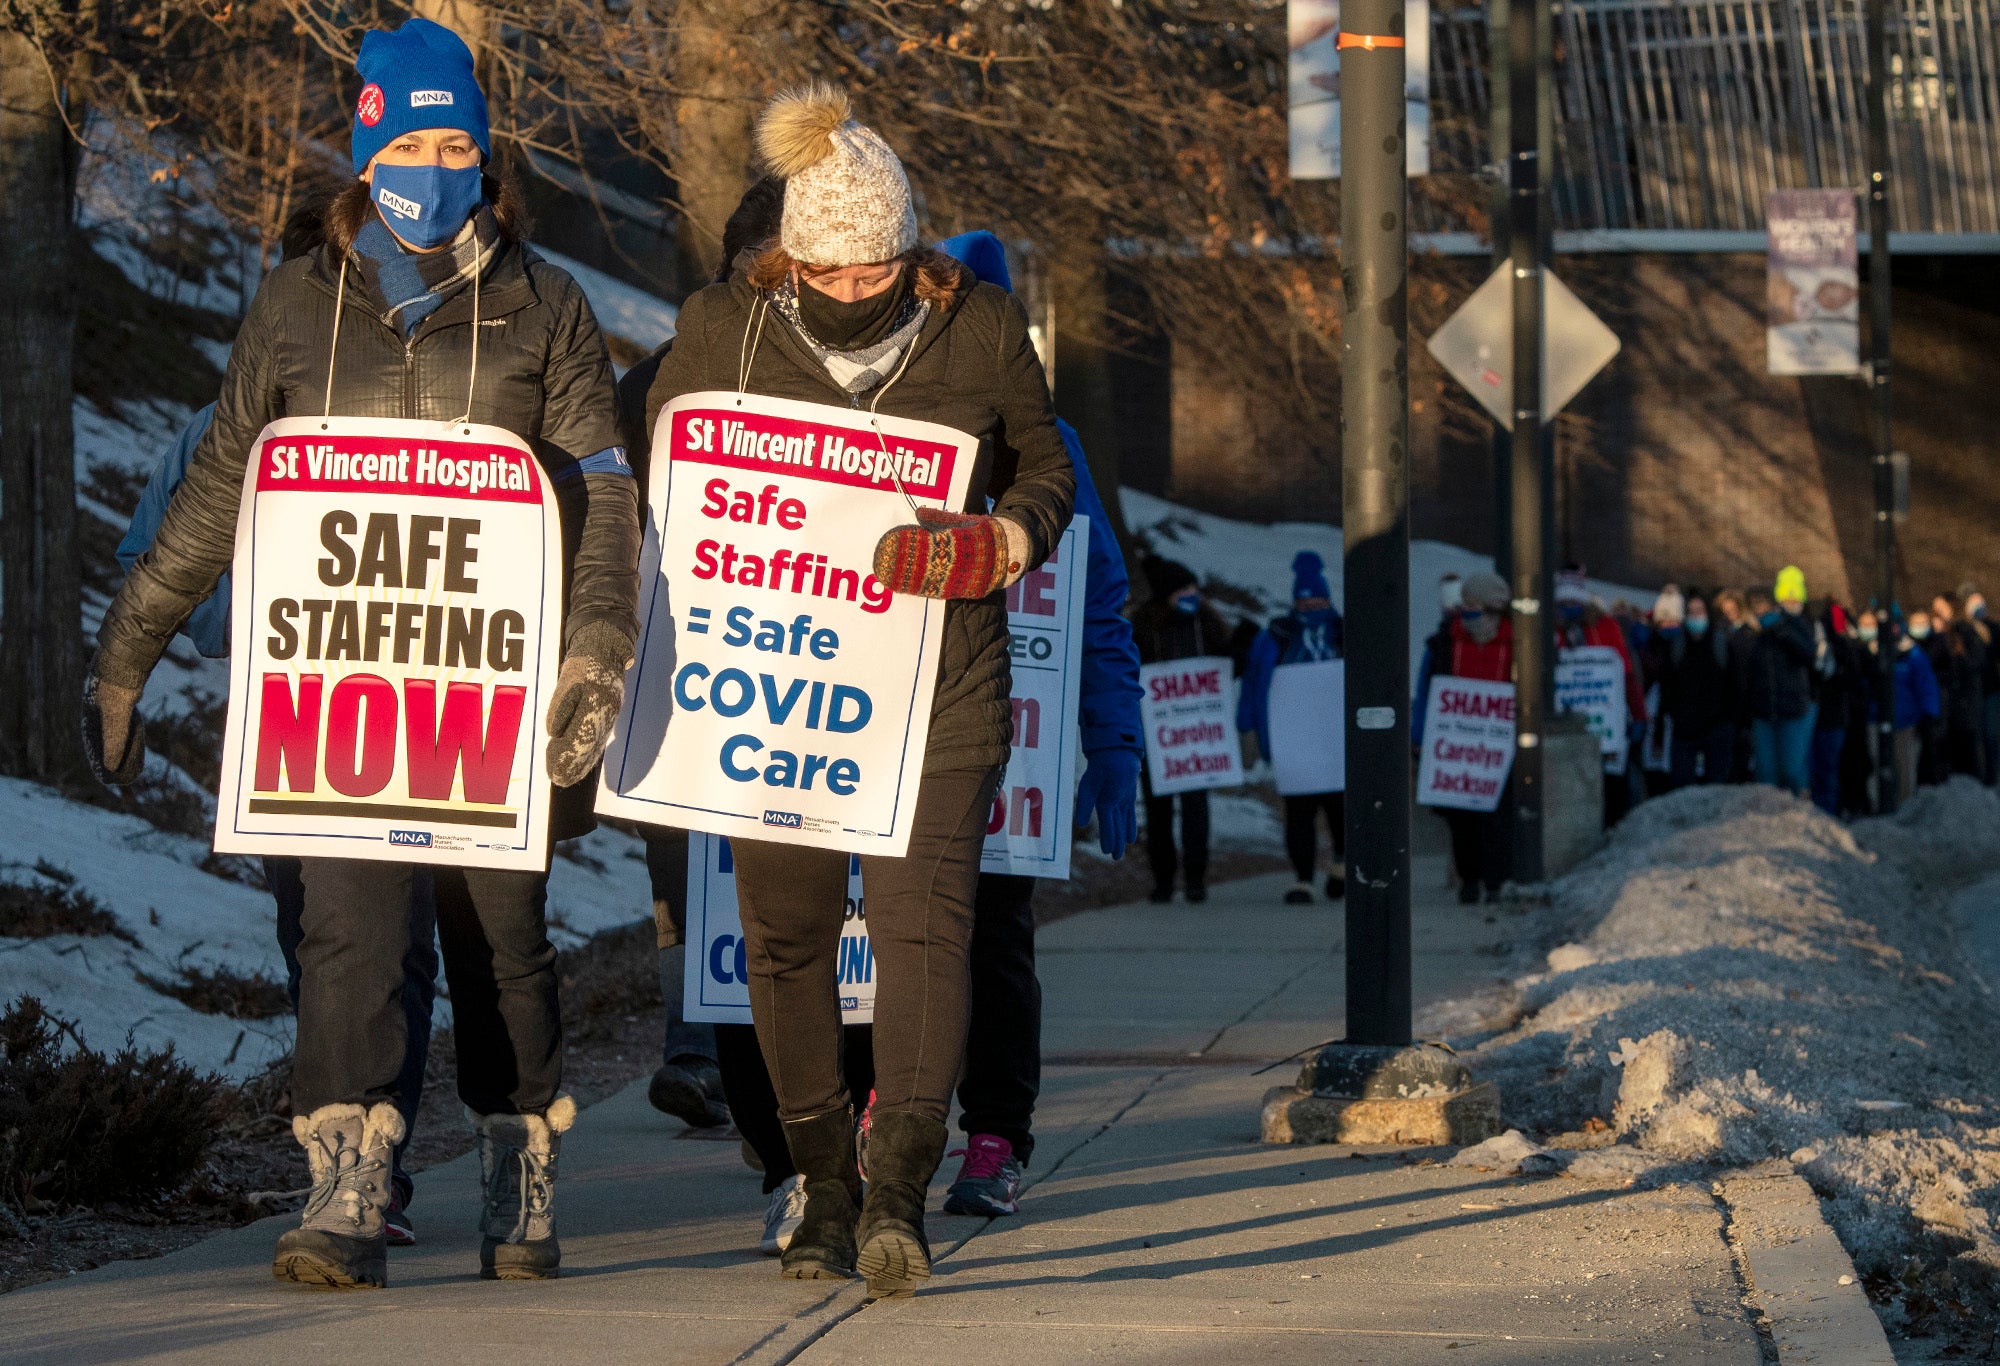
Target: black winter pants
{"points": [[1003, 1047], [1002, 1078], [1479, 843], [1302, 831], [753, 1105], [1193, 854], [793, 902], [497, 959]]}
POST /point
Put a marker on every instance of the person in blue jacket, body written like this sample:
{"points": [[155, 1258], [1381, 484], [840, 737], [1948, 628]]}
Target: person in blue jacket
{"points": [[207, 629], [1311, 631], [1003, 1049]]}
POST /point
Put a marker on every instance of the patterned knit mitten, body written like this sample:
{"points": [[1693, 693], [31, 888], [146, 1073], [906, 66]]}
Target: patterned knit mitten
{"points": [[946, 555]]}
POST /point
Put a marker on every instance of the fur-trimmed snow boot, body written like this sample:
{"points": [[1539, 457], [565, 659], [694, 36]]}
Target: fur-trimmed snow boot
{"points": [[903, 1154], [517, 1163], [340, 1243], [822, 1248]]}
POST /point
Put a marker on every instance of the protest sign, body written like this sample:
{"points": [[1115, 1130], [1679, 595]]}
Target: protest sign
{"points": [[1468, 744], [1591, 679], [1812, 284], [1308, 722], [398, 606], [781, 691], [717, 973], [1028, 831], [1187, 709], [1313, 86]]}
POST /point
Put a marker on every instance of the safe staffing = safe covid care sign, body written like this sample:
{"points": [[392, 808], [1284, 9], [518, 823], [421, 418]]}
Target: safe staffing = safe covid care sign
{"points": [[398, 598], [782, 692]]}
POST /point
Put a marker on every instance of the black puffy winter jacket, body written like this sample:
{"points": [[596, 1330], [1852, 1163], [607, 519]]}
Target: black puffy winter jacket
{"points": [[543, 374]]}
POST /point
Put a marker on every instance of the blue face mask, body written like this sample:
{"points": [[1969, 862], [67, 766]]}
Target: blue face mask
{"points": [[1870, 634], [425, 205], [1697, 626], [1188, 605], [1920, 632]]}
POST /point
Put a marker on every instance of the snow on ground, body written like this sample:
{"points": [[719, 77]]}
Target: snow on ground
{"points": [[181, 916], [1258, 559], [1742, 977]]}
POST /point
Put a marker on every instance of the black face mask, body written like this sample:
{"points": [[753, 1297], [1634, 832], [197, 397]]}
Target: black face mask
{"points": [[850, 327]]}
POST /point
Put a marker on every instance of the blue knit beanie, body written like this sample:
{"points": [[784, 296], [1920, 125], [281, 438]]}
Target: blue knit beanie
{"points": [[418, 76], [1309, 576]]}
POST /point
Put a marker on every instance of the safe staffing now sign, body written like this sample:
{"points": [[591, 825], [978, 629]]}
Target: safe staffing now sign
{"points": [[398, 599], [782, 692]]}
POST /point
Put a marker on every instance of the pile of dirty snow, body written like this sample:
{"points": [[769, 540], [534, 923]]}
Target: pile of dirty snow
{"points": [[1742, 978]]}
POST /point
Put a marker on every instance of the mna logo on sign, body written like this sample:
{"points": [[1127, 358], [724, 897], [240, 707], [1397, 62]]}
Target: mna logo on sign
{"points": [[789, 819], [415, 839]]}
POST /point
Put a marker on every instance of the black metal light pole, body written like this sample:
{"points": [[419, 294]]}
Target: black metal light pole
{"points": [[1531, 486], [1375, 521], [1881, 413]]}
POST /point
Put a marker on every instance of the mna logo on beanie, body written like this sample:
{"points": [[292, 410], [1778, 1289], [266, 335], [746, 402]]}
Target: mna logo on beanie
{"points": [[414, 77]]}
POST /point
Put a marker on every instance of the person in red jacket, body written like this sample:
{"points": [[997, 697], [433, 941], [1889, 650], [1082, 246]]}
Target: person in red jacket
{"points": [[1475, 641], [1582, 620]]}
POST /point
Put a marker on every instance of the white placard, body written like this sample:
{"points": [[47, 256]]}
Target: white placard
{"points": [[1313, 72], [1308, 725], [716, 976], [398, 605], [1468, 744], [1591, 679], [1187, 708], [1029, 829], [781, 691]]}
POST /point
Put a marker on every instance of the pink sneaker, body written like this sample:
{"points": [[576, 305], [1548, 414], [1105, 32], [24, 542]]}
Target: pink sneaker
{"points": [[989, 1181]]}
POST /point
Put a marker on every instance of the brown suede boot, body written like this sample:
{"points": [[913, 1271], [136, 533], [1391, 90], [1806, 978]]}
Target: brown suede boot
{"points": [[904, 1150], [823, 1151]]}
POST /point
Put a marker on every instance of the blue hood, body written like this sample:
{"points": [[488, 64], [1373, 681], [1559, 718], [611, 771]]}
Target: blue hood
{"points": [[983, 254]]}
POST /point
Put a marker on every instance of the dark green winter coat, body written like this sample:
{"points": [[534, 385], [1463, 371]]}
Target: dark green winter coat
{"points": [[544, 375], [972, 367]]}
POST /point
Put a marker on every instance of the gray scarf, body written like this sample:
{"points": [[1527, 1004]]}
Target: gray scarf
{"points": [[856, 372]]}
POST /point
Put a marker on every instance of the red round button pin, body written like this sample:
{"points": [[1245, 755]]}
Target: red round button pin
{"points": [[370, 107]]}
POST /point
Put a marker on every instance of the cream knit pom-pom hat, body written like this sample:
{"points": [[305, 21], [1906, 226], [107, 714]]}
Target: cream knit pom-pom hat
{"points": [[847, 201]]}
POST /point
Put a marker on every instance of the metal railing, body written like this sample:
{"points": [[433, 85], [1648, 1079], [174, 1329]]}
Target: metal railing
{"points": [[1685, 115]]}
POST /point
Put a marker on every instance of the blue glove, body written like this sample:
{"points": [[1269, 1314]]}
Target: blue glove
{"points": [[1110, 787]]}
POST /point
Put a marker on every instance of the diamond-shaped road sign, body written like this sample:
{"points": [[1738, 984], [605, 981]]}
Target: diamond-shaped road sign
{"points": [[1476, 345]]}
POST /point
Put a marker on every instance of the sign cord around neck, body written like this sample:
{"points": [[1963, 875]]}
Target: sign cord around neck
{"points": [[747, 355], [908, 351], [472, 386], [333, 346]]}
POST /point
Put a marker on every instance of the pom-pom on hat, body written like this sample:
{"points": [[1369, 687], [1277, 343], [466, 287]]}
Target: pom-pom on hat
{"points": [[847, 201], [416, 76], [1309, 576]]}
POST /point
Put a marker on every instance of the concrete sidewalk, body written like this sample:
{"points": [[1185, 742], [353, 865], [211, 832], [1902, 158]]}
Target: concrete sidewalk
{"points": [[1157, 1229]]}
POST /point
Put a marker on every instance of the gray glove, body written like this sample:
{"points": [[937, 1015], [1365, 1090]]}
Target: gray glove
{"points": [[589, 691], [113, 740]]}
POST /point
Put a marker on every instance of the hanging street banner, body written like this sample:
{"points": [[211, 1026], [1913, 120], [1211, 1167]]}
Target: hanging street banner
{"points": [[1813, 283], [398, 607], [1187, 708], [717, 972], [1308, 721], [781, 692], [1029, 830], [1591, 679], [1313, 77], [1468, 744]]}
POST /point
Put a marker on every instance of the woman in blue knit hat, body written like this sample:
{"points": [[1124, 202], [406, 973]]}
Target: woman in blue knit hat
{"points": [[1311, 631], [422, 303]]}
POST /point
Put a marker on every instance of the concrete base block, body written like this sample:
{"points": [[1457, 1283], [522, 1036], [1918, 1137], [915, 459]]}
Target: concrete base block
{"points": [[1469, 1115]]}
